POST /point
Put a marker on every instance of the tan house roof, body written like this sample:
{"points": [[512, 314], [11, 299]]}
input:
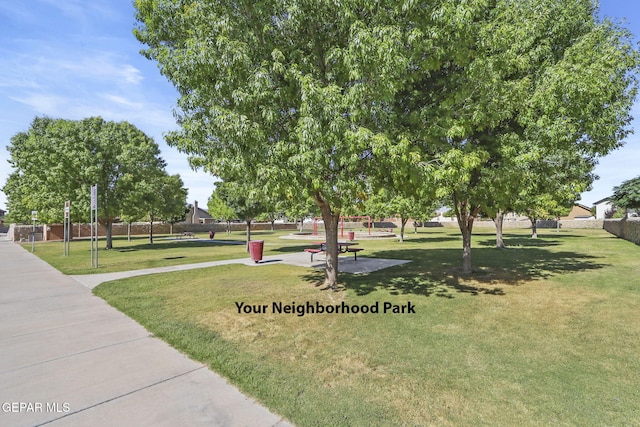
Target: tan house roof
{"points": [[197, 215], [578, 211]]}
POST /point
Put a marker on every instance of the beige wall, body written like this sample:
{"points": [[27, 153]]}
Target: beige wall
{"points": [[628, 228], [54, 232]]}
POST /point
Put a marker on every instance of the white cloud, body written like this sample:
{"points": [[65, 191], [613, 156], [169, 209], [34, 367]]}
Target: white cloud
{"points": [[124, 102], [41, 103]]}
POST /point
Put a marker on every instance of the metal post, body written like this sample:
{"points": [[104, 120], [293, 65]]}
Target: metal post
{"points": [[91, 229], [94, 216], [34, 218]]}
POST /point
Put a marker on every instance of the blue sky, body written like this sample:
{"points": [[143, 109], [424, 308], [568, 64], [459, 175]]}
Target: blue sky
{"points": [[78, 58]]}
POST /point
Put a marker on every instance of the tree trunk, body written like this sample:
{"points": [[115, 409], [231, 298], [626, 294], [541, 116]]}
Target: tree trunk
{"points": [[273, 225], [248, 233], [499, 221], [301, 224], [108, 233], [151, 230], [465, 214], [331, 219], [403, 223], [534, 227], [466, 251]]}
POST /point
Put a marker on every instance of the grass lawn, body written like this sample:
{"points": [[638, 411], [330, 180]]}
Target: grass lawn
{"points": [[138, 254], [546, 332]]}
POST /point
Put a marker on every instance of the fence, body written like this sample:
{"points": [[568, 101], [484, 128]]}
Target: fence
{"points": [[50, 232], [568, 223], [626, 228]]}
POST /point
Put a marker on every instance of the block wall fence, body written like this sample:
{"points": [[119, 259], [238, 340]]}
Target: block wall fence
{"points": [[52, 232], [628, 228]]}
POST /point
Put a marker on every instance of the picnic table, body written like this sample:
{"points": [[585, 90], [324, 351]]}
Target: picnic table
{"points": [[343, 247], [188, 234]]}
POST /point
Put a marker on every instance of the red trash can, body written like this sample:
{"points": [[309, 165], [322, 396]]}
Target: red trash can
{"points": [[255, 250], [352, 235]]}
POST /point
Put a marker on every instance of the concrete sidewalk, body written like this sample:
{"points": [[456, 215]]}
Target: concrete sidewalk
{"points": [[69, 359], [346, 264]]}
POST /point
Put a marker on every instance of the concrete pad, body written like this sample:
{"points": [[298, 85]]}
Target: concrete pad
{"points": [[346, 264]]}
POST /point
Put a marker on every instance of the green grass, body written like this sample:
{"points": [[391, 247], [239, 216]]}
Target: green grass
{"points": [[544, 333], [139, 254]]}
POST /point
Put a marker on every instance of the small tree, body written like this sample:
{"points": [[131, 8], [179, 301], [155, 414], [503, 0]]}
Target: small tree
{"points": [[300, 210], [246, 203], [386, 203], [219, 210], [161, 197]]}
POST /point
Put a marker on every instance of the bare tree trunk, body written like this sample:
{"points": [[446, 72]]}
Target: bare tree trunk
{"points": [[499, 221], [465, 215], [331, 219], [108, 234], [403, 223], [534, 227], [248, 233], [151, 229], [466, 251]]}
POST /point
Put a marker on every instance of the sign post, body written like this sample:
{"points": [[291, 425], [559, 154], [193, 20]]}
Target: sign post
{"points": [[94, 232], [67, 227], [34, 218]]}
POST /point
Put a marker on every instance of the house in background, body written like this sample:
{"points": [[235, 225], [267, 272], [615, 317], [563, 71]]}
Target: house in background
{"points": [[579, 211], [602, 206], [3, 229], [198, 215]]}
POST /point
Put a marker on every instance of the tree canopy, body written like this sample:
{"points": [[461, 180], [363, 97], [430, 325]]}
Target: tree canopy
{"points": [[58, 160], [245, 202], [627, 194], [287, 94], [159, 196], [328, 99]]}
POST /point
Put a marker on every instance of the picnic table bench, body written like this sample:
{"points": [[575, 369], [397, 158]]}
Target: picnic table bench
{"points": [[185, 234], [313, 251], [354, 251], [342, 248]]}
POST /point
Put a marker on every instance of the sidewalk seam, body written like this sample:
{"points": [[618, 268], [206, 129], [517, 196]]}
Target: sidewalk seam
{"points": [[123, 395], [76, 354]]}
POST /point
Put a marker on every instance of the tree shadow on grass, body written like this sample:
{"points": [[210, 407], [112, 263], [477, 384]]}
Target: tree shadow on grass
{"points": [[435, 239], [438, 271], [520, 241], [295, 248], [173, 244]]}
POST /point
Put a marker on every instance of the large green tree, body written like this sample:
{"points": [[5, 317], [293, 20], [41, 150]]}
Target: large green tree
{"points": [[538, 75], [330, 98], [58, 160], [290, 94], [627, 194]]}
